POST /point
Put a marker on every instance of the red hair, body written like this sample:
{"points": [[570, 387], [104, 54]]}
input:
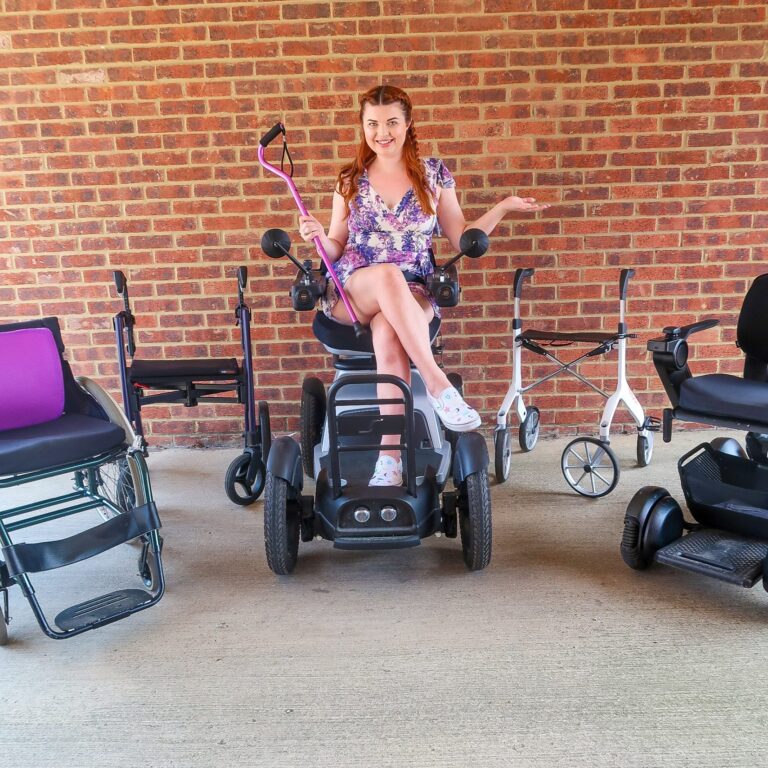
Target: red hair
{"points": [[349, 176]]}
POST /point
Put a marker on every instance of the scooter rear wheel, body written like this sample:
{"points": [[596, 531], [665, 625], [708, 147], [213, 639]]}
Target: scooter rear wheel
{"points": [[311, 420]]}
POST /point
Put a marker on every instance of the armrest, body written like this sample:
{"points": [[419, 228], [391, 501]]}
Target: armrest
{"points": [[672, 332]]}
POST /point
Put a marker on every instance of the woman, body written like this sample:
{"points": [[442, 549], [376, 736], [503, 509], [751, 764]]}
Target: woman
{"points": [[386, 206]]}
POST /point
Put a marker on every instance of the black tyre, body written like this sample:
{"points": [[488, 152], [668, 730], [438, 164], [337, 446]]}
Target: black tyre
{"points": [[502, 454], [281, 526], [236, 484], [475, 521], [644, 449], [311, 421], [528, 433], [765, 576], [3, 628], [589, 466]]}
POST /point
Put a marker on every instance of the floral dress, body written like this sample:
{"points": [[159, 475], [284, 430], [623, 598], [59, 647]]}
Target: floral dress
{"points": [[382, 235]]}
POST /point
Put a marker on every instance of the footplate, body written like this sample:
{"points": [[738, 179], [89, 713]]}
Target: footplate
{"points": [[103, 609], [718, 554]]}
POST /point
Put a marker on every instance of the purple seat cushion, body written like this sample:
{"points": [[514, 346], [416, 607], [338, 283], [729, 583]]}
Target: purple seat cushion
{"points": [[31, 381]]}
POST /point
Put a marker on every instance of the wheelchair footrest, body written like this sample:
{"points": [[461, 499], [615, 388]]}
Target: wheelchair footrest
{"points": [[103, 609], [718, 554]]}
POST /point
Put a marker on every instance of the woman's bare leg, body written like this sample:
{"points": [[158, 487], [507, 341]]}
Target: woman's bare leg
{"points": [[382, 288]]}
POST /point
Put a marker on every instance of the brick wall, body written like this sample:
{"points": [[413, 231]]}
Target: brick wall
{"points": [[129, 132]]}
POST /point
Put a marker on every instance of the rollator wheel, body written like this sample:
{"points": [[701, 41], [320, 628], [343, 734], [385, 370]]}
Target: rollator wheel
{"points": [[475, 520], [590, 467], [236, 484], [644, 450], [502, 453], [529, 430], [282, 526], [311, 420]]}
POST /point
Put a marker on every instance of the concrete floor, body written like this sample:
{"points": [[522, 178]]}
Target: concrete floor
{"points": [[556, 655]]}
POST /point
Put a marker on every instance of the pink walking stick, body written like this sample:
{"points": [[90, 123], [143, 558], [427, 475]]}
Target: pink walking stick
{"points": [[264, 142]]}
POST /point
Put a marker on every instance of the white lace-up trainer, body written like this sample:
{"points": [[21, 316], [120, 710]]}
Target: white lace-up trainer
{"points": [[388, 471], [455, 414]]}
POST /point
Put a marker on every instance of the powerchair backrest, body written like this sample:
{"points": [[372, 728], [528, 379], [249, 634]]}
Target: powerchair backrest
{"points": [[752, 330], [39, 366]]}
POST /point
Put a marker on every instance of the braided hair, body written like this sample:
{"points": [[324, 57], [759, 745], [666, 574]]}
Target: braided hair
{"points": [[349, 176]]}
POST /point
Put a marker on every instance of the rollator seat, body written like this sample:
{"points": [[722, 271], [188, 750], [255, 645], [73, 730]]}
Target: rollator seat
{"points": [[595, 337], [340, 338], [726, 397], [149, 371], [68, 439]]}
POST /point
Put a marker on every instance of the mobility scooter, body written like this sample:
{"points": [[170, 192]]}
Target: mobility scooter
{"points": [[725, 485], [341, 436]]}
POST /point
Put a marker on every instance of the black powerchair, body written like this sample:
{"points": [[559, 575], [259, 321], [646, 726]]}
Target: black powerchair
{"points": [[725, 485], [190, 382]]}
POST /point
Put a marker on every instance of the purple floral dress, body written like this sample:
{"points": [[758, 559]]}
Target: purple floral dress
{"points": [[381, 235]]}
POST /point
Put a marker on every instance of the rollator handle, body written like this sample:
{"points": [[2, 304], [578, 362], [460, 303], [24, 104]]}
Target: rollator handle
{"points": [[521, 275], [271, 134], [242, 278], [119, 279], [626, 274]]}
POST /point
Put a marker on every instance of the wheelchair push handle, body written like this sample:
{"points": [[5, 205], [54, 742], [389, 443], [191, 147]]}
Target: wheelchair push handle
{"points": [[272, 134], [521, 275], [119, 277], [624, 278]]}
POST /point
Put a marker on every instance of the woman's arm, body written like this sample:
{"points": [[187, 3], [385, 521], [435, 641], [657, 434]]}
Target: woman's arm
{"points": [[338, 231], [452, 221]]}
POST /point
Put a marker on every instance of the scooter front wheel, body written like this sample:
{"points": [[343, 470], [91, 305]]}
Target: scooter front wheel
{"points": [[282, 527]]}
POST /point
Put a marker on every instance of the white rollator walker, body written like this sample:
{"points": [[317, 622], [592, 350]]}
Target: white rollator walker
{"points": [[588, 464]]}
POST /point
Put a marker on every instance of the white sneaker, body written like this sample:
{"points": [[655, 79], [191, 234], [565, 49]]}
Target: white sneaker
{"points": [[388, 471], [455, 414]]}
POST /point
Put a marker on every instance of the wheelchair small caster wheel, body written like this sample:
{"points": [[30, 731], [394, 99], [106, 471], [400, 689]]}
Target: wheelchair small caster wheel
{"points": [[282, 526], [148, 566], [529, 430], [589, 466], [502, 453], [236, 484], [644, 449]]}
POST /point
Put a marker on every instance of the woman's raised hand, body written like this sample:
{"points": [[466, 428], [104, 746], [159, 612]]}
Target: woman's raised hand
{"points": [[310, 228], [525, 204]]}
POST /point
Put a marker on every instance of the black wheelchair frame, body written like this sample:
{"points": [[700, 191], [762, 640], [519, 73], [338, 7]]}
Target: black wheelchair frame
{"points": [[144, 382]]}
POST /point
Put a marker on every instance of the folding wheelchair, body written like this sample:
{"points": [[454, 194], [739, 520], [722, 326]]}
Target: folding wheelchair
{"points": [[52, 424], [724, 483]]}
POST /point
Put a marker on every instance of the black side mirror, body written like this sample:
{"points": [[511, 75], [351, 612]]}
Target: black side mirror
{"points": [[119, 279], [474, 243], [275, 243], [242, 277]]}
